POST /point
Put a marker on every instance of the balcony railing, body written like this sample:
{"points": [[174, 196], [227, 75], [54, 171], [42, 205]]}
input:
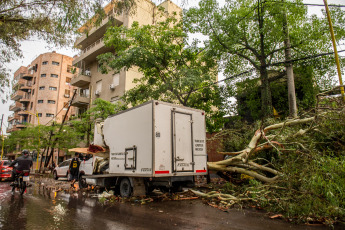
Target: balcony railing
{"points": [[26, 87], [17, 95], [82, 79], [91, 46], [16, 106], [18, 83], [81, 100]]}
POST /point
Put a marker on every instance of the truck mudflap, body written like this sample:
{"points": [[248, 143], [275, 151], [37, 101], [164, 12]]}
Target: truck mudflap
{"points": [[138, 185]]}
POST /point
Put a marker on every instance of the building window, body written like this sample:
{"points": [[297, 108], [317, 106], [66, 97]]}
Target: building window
{"points": [[51, 102], [40, 101], [55, 63], [98, 87], [65, 105], [67, 91], [49, 115], [116, 79], [68, 79], [42, 88], [31, 105], [54, 75], [43, 75], [33, 92], [52, 88], [45, 63], [39, 114]]}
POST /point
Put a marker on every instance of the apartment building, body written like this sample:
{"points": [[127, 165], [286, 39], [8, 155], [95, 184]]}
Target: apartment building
{"points": [[41, 92], [110, 87]]}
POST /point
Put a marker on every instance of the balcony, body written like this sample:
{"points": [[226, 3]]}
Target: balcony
{"points": [[81, 100], [21, 124], [26, 87], [11, 129], [18, 84], [23, 112], [12, 117], [96, 32], [16, 106], [25, 99], [89, 54], [17, 95], [81, 80], [27, 76]]}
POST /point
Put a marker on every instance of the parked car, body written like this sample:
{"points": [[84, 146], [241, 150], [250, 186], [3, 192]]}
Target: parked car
{"points": [[5, 170], [61, 170], [86, 166]]}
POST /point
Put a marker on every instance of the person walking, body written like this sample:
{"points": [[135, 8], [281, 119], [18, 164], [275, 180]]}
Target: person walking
{"points": [[74, 169]]}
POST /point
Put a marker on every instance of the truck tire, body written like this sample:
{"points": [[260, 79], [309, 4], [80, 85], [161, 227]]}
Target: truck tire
{"points": [[125, 187]]}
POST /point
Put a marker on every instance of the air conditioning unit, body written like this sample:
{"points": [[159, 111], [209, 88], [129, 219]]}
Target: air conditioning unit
{"points": [[66, 95], [111, 86], [97, 92]]}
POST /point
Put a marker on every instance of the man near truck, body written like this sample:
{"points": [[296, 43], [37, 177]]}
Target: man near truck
{"points": [[74, 169]]}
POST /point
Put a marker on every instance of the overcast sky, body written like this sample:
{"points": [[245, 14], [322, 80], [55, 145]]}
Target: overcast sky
{"points": [[33, 48]]}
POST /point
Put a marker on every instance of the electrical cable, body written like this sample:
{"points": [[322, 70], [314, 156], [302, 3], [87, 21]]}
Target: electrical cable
{"points": [[273, 64]]}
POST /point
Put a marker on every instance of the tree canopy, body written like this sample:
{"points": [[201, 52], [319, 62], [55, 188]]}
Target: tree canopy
{"points": [[173, 70], [55, 21], [249, 35]]}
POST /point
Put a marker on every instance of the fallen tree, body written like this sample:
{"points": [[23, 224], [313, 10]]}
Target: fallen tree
{"points": [[293, 167], [240, 162]]}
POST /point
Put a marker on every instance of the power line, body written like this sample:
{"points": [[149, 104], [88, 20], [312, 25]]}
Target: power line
{"points": [[273, 64], [308, 4]]}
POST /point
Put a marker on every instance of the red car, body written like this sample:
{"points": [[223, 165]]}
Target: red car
{"points": [[5, 171]]}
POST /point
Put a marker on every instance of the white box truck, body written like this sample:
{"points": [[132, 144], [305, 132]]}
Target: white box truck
{"points": [[153, 145]]}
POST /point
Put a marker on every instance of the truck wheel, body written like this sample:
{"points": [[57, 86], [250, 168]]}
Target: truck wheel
{"points": [[125, 188]]}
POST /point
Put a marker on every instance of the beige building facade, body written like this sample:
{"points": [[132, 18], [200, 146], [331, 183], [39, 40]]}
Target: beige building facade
{"points": [[41, 92], [110, 87]]}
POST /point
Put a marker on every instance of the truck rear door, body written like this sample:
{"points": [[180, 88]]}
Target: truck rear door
{"points": [[182, 142]]}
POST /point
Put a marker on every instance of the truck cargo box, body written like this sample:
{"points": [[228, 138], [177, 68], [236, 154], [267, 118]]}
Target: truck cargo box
{"points": [[155, 139]]}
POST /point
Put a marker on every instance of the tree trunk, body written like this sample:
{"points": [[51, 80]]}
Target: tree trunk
{"points": [[289, 69], [266, 97]]}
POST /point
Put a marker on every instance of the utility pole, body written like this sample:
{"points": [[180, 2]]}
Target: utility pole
{"points": [[335, 49], [56, 139], [289, 67]]}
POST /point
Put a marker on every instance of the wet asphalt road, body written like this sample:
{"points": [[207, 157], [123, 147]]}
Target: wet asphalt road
{"points": [[39, 210]]}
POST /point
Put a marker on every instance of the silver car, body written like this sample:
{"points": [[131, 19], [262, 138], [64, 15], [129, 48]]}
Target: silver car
{"points": [[61, 170]]}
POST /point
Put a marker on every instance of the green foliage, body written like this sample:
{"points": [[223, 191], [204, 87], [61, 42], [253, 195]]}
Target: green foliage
{"points": [[249, 34], [55, 21], [173, 70], [248, 106], [100, 110], [37, 137], [311, 186]]}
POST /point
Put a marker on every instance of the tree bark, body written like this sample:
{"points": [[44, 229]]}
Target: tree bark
{"points": [[289, 68], [266, 97]]}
